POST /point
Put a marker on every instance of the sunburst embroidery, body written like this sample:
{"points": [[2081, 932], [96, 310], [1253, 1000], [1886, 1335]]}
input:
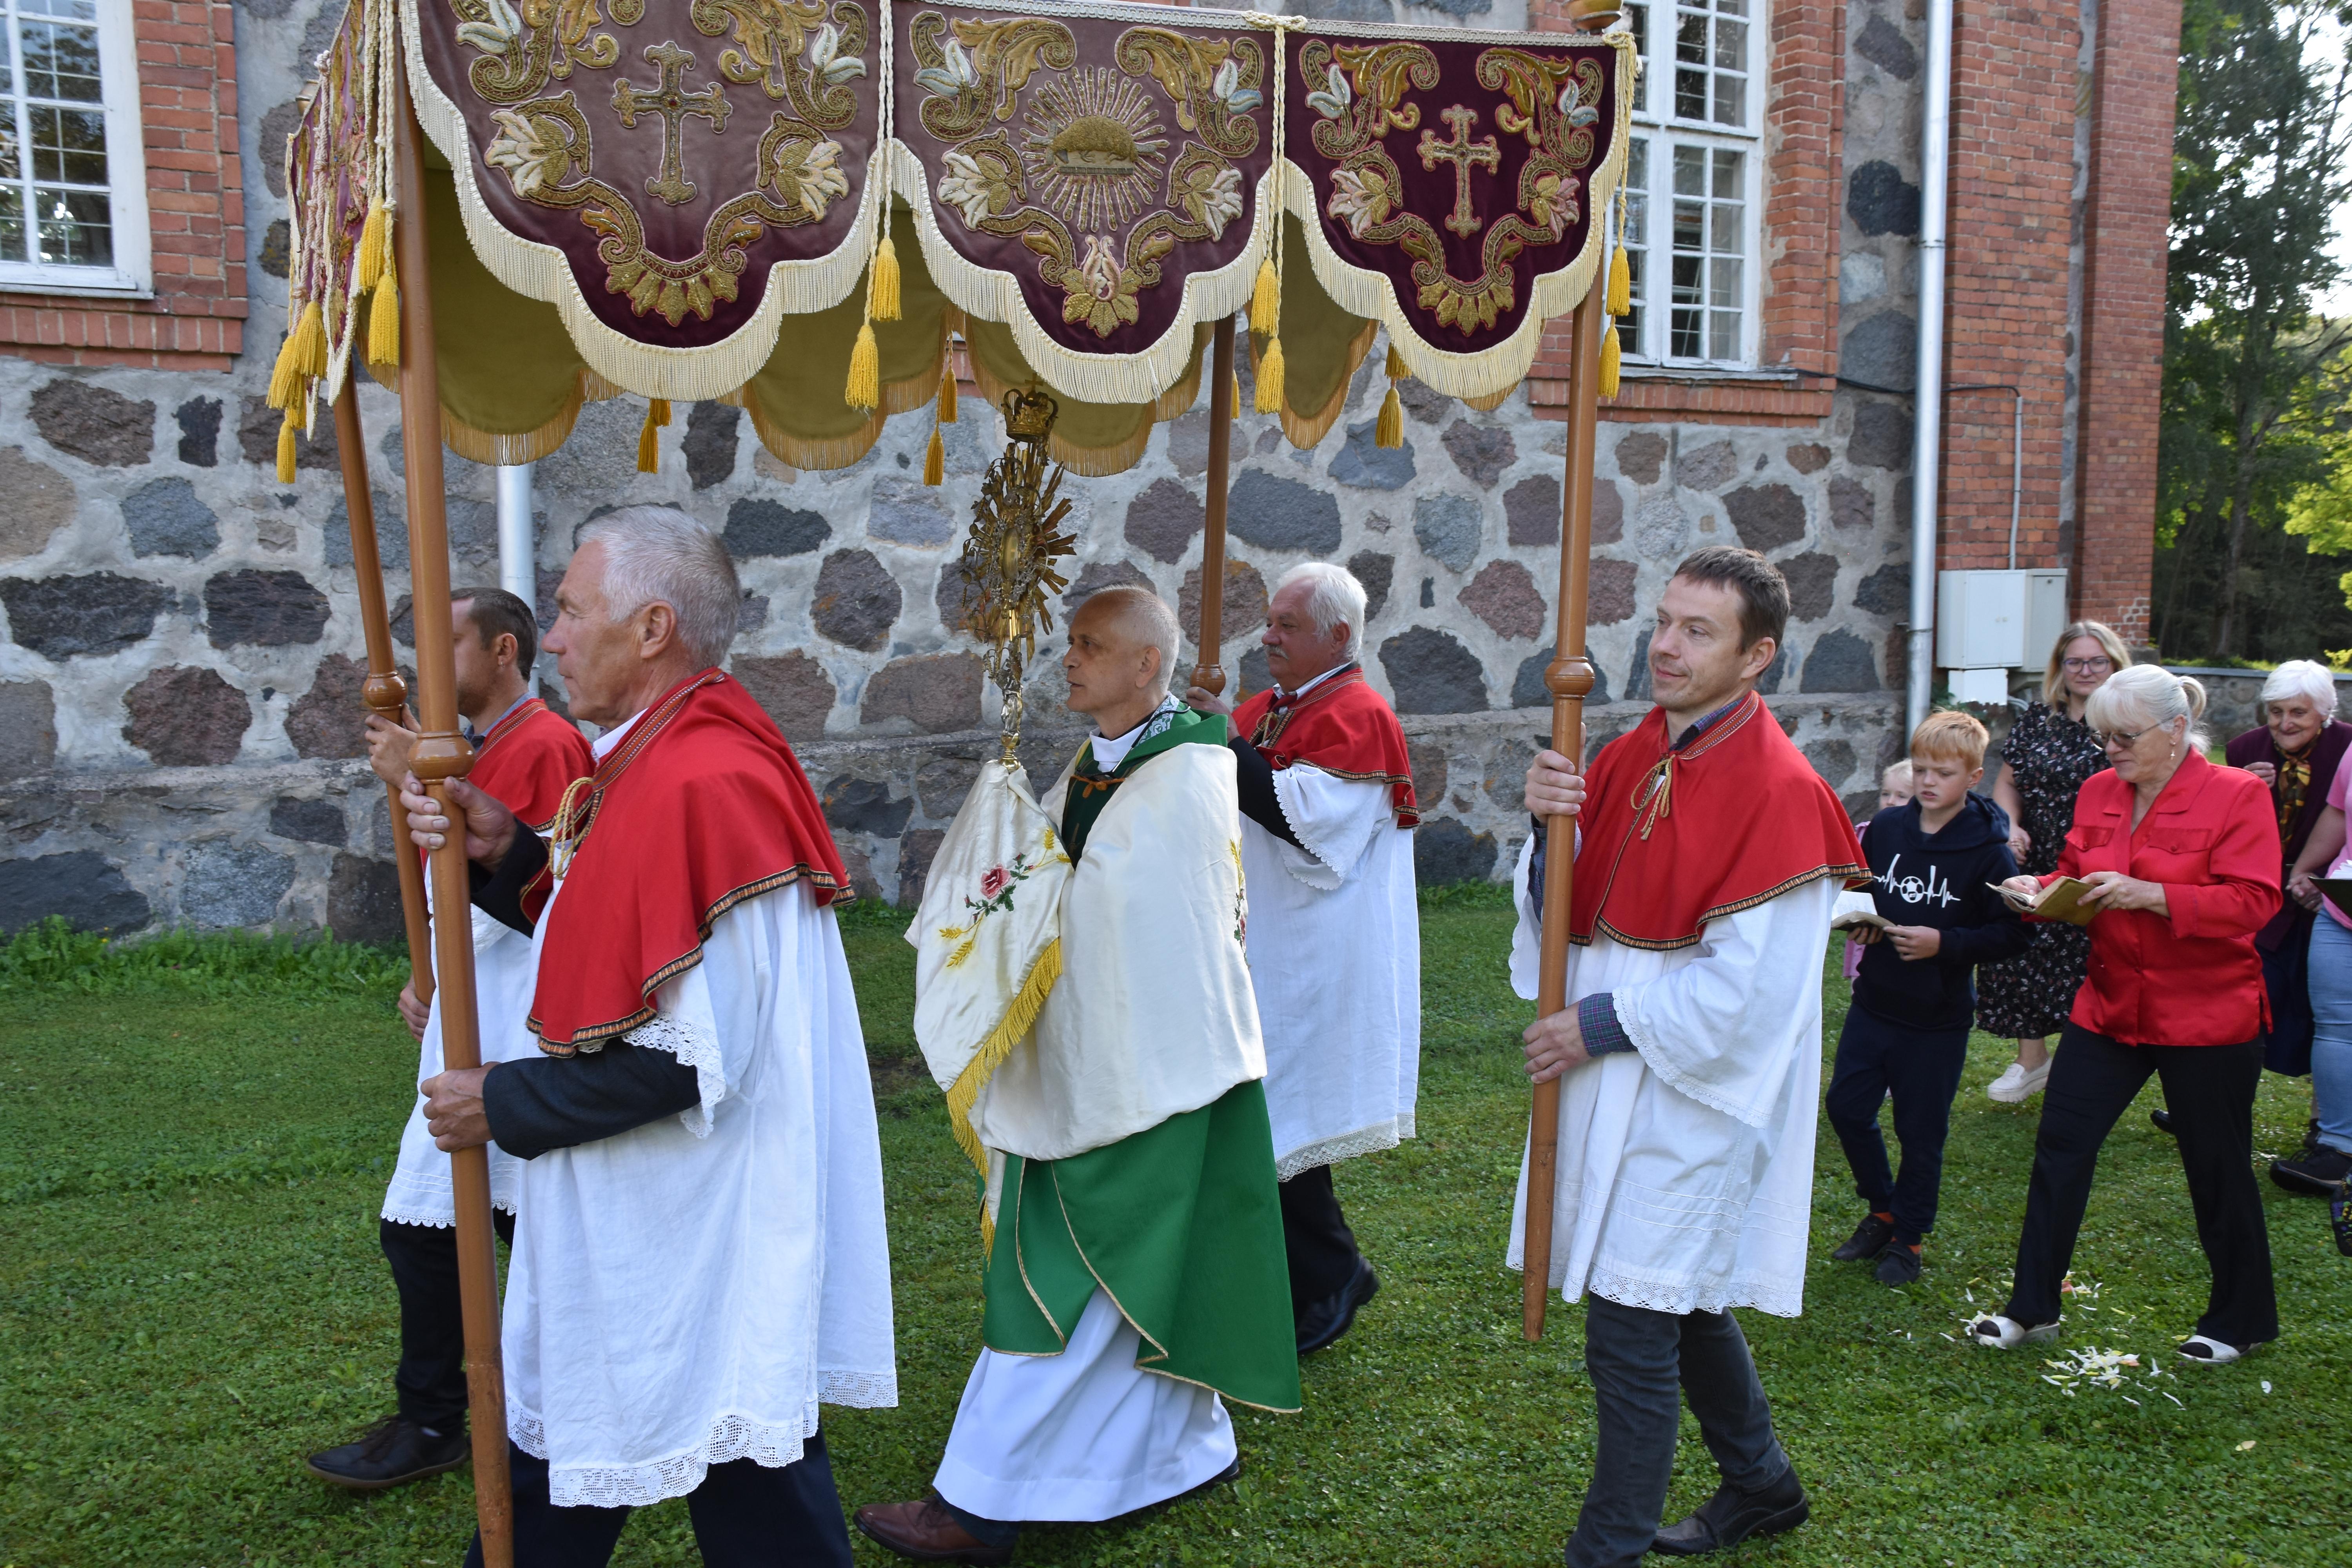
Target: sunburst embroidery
{"points": [[1095, 151]]}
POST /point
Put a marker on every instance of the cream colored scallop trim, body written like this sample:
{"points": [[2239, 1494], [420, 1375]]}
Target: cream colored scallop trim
{"points": [[538, 271], [1359, 292], [993, 296]]}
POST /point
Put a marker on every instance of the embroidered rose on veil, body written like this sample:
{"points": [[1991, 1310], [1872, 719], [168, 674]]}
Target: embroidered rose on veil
{"points": [[1362, 198]]}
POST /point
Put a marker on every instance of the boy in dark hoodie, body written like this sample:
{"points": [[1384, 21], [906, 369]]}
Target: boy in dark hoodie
{"points": [[1906, 1034]]}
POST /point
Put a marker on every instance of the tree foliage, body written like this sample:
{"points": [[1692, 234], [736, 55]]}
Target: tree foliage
{"points": [[2256, 390]]}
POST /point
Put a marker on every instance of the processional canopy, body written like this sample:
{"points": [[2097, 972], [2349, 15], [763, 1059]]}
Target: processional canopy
{"points": [[688, 199]]}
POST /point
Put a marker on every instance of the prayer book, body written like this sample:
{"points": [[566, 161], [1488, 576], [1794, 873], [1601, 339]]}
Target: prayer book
{"points": [[2336, 890], [1847, 919], [2061, 900]]}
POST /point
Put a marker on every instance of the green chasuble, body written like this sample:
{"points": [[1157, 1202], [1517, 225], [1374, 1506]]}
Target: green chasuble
{"points": [[1180, 1224]]}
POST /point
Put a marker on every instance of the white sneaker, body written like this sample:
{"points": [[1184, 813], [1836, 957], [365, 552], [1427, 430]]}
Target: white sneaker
{"points": [[1996, 1332], [2017, 1084], [2211, 1351]]}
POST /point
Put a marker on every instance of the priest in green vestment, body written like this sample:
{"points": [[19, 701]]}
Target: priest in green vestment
{"points": [[1136, 1276]]}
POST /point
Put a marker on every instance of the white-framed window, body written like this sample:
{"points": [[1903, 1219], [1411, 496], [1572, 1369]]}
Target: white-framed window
{"points": [[73, 181], [1694, 184]]}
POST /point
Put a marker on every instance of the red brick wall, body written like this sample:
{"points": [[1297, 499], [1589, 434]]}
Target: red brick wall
{"points": [[2010, 216], [1804, 117], [195, 203], [2129, 210]]}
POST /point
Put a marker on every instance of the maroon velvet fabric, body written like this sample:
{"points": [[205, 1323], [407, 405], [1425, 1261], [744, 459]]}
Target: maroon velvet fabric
{"points": [[653, 260]]}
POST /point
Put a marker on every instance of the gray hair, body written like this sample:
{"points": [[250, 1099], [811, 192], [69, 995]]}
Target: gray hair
{"points": [[2301, 677], [657, 555], [1145, 616], [2153, 692], [1335, 599]]}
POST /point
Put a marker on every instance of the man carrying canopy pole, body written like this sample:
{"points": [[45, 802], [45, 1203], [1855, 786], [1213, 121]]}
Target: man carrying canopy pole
{"points": [[700, 1259], [1687, 1051], [526, 757]]}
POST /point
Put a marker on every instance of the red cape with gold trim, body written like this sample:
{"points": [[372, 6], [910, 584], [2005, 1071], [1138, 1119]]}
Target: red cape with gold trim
{"points": [[528, 760], [700, 808], [1343, 727], [1674, 839]]}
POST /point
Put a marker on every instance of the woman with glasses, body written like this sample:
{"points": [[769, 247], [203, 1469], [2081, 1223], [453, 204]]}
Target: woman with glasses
{"points": [[2182, 861], [2047, 755]]}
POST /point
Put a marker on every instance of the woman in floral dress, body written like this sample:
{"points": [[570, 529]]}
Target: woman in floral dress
{"points": [[2048, 755]]}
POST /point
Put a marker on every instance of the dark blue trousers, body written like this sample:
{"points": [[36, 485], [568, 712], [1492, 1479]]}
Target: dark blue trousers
{"points": [[746, 1515], [1920, 1068]]}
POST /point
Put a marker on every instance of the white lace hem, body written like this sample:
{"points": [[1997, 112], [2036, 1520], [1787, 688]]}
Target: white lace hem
{"points": [[771, 1445], [693, 1048], [1679, 1296], [441, 1219], [1346, 1146]]}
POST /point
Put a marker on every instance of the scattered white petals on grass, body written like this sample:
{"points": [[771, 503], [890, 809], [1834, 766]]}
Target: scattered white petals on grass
{"points": [[2266, 1386], [2246, 1445]]}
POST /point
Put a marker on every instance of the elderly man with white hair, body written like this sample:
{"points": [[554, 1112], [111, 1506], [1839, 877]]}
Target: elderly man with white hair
{"points": [[1335, 934], [699, 1260], [2298, 751]]}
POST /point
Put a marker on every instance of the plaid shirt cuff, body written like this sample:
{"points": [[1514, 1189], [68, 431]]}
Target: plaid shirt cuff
{"points": [[1596, 1018]]}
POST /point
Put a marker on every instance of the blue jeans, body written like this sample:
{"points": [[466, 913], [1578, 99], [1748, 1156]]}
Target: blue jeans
{"points": [[2330, 980]]}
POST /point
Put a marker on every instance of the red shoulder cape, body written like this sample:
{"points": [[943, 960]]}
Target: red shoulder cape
{"points": [[528, 760], [1674, 839], [1343, 727], [700, 806]]}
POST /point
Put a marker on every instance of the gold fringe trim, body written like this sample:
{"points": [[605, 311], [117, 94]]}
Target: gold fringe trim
{"points": [[1491, 401], [1101, 462], [649, 435], [822, 453], [1018, 1020]]}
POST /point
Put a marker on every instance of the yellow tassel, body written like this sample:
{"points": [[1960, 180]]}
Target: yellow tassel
{"points": [[1396, 369], [864, 370], [658, 411], [375, 245], [286, 450], [935, 459], [1237, 395], [1609, 362], [947, 415], [886, 281], [1266, 300], [1389, 432], [1621, 284], [1269, 378], [285, 376], [384, 321], [310, 342], [648, 442]]}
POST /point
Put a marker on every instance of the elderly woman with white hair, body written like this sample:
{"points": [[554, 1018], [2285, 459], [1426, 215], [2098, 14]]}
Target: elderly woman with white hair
{"points": [[2181, 860], [2297, 751]]}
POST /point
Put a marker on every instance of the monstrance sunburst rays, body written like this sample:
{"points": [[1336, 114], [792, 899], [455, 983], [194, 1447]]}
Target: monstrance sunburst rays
{"points": [[1008, 556], [1095, 151]]}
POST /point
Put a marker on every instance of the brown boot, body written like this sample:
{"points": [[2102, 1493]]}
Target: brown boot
{"points": [[926, 1531]]}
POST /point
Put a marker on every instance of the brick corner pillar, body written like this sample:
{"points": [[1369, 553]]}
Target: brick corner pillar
{"points": [[2126, 216]]}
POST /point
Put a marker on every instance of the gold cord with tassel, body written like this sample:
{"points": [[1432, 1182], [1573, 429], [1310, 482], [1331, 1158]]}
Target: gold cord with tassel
{"points": [[1237, 395], [311, 343], [648, 442], [935, 459], [383, 320], [286, 450], [886, 281], [1389, 431], [946, 405], [1265, 298], [1610, 360], [865, 389], [375, 246]]}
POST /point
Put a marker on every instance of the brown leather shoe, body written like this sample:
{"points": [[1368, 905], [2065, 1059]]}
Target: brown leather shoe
{"points": [[927, 1532]]}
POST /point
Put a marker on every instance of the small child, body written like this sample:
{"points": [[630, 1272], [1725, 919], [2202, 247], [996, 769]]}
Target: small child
{"points": [[1893, 790], [1906, 1034]]}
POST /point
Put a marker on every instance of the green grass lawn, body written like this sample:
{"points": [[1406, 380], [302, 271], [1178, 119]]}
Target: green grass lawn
{"points": [[191, 1299]]}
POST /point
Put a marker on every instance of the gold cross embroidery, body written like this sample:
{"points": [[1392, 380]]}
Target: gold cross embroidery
{"points": [[673, 103], [1462, 152]]}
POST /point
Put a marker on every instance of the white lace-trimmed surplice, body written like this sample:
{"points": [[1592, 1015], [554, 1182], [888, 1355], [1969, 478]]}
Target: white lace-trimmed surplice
{"points": [[686, 1293], [1335, 958], [1685, 1166]]}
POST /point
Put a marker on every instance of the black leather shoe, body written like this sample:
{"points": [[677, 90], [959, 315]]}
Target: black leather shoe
{"points": [[1868, 1240], [1327, 1320], [2161, 1120], [393, 1452], [1899, 1265], [2320, 1172], [1731, 1516]]}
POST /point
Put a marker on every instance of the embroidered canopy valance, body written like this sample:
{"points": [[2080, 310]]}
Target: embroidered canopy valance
{"points": [[685, 199]]}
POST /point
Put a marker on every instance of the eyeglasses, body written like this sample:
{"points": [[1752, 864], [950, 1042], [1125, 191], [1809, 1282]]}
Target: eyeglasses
{"points": [[2126, 739], [2085, 666]]}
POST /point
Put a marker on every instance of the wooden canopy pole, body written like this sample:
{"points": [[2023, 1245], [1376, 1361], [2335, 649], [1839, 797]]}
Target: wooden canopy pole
{"points": [[442, 754], [384, 694], [1209, 675], [1568, 678]]}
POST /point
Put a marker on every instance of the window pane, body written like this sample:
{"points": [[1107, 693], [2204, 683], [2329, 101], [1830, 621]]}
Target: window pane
{"points": [[76, 10], [74, 228], [1711, 55], [12, 222], [1690, 171], [70, 145], [1731, 45], [1710, 245], [1726, 173], [1690, 39], [1731, 100], [1636, 237], [1726, 343], [1723, 282], [61, 62], [1638, 19], [1690, 224], [1723, 229]]}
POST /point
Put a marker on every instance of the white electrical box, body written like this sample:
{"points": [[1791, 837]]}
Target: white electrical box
{"points": [[1980, 620], [2045, 614]]}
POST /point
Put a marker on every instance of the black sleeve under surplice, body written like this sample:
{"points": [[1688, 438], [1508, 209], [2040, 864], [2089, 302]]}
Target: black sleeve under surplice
{"points": [[1254, 776]]}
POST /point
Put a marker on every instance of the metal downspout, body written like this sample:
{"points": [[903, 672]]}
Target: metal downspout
{"points": [[518, 538], [1926, 438]]}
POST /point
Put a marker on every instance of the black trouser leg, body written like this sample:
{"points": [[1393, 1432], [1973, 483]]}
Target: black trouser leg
{"points": [[748, 1515], [546, 1536], [1923, 1075], [1315, 1234], [2212, 1092], [1857, 1089], [431, 1378], [1720, 1385], [2091, 1082]]}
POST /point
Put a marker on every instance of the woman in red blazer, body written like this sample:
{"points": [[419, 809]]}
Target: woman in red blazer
{"points": [[2182, 858]]}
